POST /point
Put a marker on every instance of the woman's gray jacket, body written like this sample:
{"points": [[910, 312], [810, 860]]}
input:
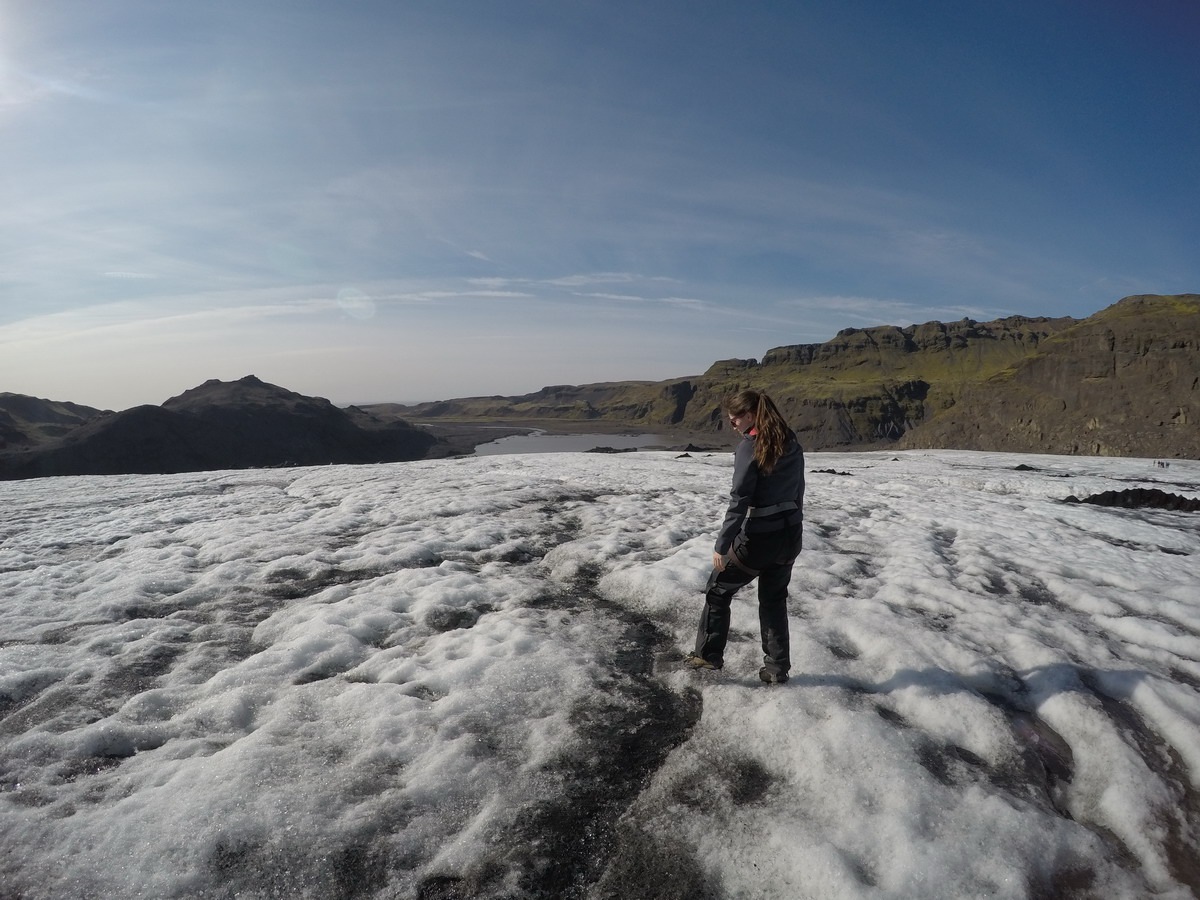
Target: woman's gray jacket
{"points": [[763, 502]]}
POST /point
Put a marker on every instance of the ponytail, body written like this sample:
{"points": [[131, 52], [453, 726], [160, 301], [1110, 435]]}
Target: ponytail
{"points": [[772, 432]]}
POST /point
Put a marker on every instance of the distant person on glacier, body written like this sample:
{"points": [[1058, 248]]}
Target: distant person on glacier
{"points": [[760, 537]]}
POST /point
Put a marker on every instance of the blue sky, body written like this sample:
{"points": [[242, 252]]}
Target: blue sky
{"points": [[411, 200]]}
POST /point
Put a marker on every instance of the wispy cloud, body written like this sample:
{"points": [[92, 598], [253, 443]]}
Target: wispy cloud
{"points": [[632, 298], [692, 303], [577, 281], [161, 316], [67, 87], [593, 278], [433, 296]]}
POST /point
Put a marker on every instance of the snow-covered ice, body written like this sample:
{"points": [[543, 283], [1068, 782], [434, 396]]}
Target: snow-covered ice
{"points": [[460, 678]]}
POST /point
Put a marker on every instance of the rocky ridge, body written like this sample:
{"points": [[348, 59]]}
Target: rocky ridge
{"points": [[1121, 382]]}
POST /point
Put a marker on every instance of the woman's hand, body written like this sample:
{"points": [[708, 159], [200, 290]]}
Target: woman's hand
{"points": [[718, 561]]}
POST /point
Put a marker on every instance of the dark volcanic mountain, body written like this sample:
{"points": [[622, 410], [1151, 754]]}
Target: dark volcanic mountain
{"points": [[222, 425], [1124, 381]]}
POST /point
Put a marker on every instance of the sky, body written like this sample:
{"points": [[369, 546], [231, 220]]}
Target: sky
{"points": [[465, 678], [399, 201]]}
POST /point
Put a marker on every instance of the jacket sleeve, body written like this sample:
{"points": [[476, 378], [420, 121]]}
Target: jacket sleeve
{"points": [[745, 478]]}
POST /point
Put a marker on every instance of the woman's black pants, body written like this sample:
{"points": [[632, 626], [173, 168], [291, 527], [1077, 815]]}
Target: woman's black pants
{"points": [[769, 558]]}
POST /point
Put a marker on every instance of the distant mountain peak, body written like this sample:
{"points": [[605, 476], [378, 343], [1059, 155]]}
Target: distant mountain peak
{"points": [[249, 390]]}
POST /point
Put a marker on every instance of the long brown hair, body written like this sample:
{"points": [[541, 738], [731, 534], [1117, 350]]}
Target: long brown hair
{"points": [[772, 431]]}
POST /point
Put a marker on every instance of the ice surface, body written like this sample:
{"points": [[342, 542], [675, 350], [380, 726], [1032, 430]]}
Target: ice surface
{"points": [[460, 678]]}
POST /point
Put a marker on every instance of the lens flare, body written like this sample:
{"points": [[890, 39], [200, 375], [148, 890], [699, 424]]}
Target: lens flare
{"points": [[356, 304]]}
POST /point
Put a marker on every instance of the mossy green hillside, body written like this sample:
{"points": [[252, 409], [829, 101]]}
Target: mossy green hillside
{"points": [[869, 386]]}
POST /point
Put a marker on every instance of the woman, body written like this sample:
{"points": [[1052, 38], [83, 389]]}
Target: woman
{"points": [[760, 537]]}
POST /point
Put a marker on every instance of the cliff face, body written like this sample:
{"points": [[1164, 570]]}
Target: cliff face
{"points": [[871, 386], [1123, 381], [865, 387], [936, 348]]}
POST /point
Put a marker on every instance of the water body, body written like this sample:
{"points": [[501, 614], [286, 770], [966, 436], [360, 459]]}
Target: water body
{"points": [[541, 442]]}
